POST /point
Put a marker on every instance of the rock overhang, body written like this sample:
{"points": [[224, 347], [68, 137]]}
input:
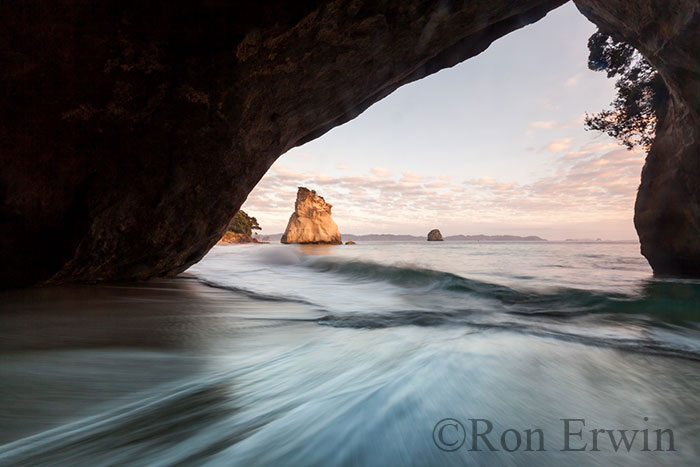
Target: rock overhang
{"points": [[132, 132]]}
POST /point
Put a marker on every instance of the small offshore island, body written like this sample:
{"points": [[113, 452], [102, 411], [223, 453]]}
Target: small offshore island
{"points": [[311, 221], [434, 236]]}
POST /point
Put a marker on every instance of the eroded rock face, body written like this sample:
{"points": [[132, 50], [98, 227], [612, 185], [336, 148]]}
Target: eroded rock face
{"points": [[131, 132], [434, 236], [667, 211], [311, 221]]}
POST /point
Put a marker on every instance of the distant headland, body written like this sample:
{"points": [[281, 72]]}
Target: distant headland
{"points": [[240, 230]]}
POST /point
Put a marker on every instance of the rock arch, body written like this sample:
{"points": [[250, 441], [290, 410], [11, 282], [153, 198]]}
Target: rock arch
{"points": [[131, 133]]}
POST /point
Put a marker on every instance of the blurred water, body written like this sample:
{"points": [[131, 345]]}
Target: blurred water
{"points": [[350, 355]]}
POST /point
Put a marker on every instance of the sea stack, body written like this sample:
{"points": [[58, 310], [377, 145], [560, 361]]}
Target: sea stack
{"points": [[434, 236], [311, 221]]}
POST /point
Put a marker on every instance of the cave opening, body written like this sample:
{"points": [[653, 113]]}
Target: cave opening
{"points": [[495, 145], [134, 145]]}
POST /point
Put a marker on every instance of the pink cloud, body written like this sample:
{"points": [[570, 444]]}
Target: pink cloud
{"points": [[559, 145], [411, 177], [544, 124], [380, 172]]}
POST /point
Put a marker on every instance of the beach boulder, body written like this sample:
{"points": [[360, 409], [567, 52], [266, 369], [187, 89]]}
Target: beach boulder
{"points": [[311, 221]]}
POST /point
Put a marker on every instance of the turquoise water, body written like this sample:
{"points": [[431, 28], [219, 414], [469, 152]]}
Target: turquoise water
{"points": [[352, 355]]}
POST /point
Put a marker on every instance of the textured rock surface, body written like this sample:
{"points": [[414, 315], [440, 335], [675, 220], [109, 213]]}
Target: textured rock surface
{"points": [[667, 211], [131, 132], [434, 236], [311, 221]]}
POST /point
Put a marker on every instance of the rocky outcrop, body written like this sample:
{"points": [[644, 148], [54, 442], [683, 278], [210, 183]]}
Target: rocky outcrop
{"points": [[132, 131], [667, 211], [434, 236], [350, 242], [233, 238], [311, 221]]}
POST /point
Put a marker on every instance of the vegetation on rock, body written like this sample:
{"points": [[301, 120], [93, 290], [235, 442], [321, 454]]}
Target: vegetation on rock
{"points": [[240, 229], [640, 92], [242, 223]]}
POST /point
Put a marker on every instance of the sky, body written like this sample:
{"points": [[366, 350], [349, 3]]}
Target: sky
{"points": [[494, 145]]}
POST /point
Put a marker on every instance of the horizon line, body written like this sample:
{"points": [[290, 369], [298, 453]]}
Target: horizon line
{"points": [[597, 239]]}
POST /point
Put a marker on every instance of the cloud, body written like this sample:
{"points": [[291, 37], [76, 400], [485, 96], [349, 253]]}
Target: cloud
{"points": [[342, 166], [559, 145], [594, 184], [544, 124], [576, 154], [411, 177], [599, 147], [380, 172], [488, 181], [285, 174], [323, 179]]}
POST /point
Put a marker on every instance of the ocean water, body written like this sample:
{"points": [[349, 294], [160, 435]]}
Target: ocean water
{"points": [[373, 354]]}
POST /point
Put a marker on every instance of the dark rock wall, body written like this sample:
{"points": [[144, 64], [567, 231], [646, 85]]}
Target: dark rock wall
{"points": [[131, 132], [667, 211]]}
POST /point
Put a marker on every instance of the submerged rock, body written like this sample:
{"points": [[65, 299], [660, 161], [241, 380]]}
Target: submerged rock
{"points": [[434, 236], [350, 242], [311, 221]]}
